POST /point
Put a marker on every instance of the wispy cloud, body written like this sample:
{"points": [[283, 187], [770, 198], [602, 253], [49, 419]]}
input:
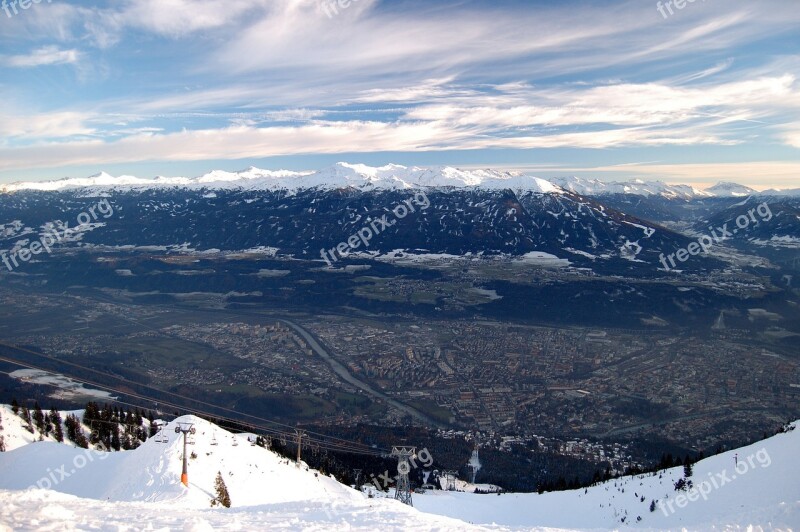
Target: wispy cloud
{"points": [[47, 55], [177, 80]]}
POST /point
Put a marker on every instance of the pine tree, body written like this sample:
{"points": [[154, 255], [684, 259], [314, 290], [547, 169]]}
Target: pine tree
{"points": [[58, 431], [152, 424], [15, 407], [75, 432], [115, 439], [26, 417], [223, 498], [48, 424], [687, 469], [38, 417]]}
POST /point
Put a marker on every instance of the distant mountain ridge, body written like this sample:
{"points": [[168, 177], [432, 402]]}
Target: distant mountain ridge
{"points": [[393, 177], [338, 176]]}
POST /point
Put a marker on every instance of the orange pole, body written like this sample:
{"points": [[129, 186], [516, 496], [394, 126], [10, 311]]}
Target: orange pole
{"points": [[185, 474]]}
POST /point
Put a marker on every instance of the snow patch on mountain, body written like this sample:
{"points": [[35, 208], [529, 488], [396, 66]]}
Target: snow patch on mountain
{"points": [[595, 187], [391, 177], [725, 189], [340, 175]]}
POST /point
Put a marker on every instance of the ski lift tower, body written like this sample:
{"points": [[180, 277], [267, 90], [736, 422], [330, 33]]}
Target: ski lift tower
{"points": [[450, 480], [403, 490], [185, 429], [474, 464]]}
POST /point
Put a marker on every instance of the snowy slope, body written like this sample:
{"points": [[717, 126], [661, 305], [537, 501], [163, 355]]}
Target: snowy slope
{"points": [[138, 489], [765, 495], [14, 433], [130, 490], [49, 510], [152, 472], [595, 187], [731, 190]]}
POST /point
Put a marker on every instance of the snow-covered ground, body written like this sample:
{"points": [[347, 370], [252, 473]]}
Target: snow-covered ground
{"points": [[763, 493], [51, 486]]}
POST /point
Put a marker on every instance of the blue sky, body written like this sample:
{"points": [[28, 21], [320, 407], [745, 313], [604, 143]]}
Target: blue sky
{"points": [[610, 90]]}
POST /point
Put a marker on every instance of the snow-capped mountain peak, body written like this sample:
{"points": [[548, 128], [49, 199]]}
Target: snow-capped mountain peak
{"points": [[595, 187], [390, 177], [339, 175], [725, 189]]}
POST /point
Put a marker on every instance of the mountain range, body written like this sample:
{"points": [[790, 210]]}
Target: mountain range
{"points": [[395, 177]]}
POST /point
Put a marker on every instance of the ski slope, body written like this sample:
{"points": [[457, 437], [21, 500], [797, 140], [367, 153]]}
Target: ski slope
{"points": [[46, 485], [764, 493]]}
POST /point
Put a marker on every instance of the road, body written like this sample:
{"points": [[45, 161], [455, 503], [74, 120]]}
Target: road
{"points": [[342, 372]]}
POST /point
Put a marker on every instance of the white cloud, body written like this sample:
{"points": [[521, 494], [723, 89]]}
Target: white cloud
{"points": [[427, 77], [792, 138], [232, 143], [45, 126], [47, 55], [178, 18]]}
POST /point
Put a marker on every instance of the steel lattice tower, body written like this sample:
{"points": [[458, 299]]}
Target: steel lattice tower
{"points": [[403, 491]]}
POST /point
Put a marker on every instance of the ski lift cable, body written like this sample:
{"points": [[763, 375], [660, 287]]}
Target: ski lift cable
{"points": [[366, 448], [347, 446]]}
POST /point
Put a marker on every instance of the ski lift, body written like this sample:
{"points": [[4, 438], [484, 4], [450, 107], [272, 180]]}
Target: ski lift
{"points": [[160, 436], [235, 441], [163, 439], [252, 442], [214, 441]]}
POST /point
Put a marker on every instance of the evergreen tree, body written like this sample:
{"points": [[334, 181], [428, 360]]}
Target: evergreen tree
{"points": [[15, 407], [38, 417], [58, 431], [115, 439], [223, 498], [687, 469], [75, 431], [48, 424], [26, 417], [153, 426]]}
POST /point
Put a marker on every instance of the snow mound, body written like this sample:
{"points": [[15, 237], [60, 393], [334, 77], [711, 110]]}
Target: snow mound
{"points": [[152, 472], [751, 488]]}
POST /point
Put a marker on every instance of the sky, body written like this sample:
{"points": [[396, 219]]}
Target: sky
{"points": [[695, 94]]}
